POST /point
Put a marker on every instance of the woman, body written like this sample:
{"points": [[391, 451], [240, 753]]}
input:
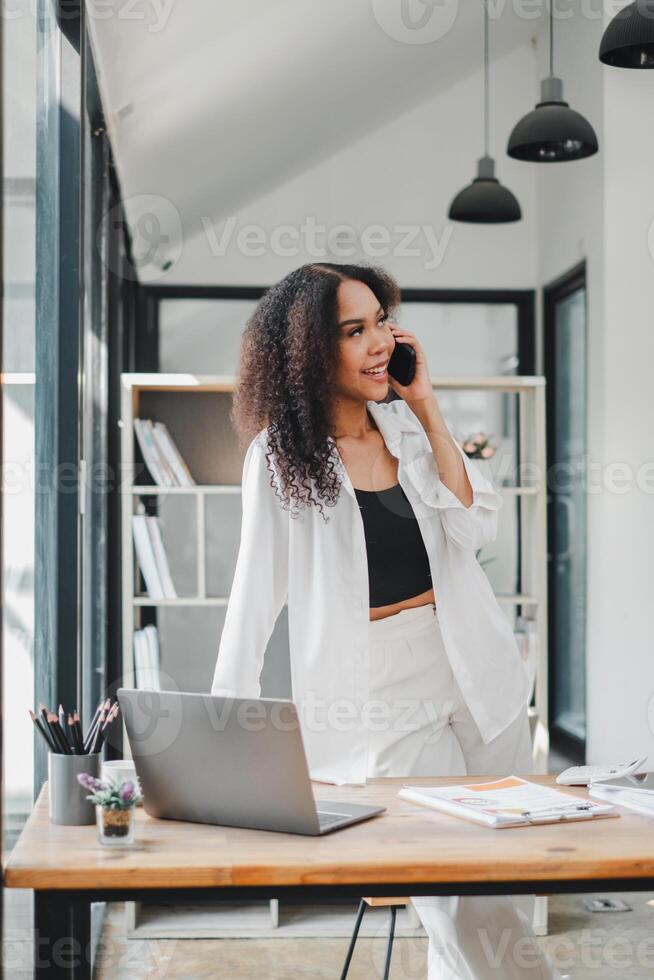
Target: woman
{"points": [[365, 516]]}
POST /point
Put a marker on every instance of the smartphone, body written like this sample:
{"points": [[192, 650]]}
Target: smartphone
{"points": [[402, 364]]}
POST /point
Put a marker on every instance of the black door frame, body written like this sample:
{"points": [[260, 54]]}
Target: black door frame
{"points": [[57, 351], [566, 284], [84, 273], [2, 457]]}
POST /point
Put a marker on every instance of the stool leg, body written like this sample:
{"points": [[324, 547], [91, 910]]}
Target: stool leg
{"points": [[389, 948], [355, 933]]}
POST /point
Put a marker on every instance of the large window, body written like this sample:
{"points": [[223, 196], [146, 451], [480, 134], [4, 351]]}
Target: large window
{"points": [[471, 339], [469, 335], [202, 336], [19, 164]]}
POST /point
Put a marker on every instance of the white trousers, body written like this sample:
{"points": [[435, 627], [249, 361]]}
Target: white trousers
{"points": [[426, 729]]}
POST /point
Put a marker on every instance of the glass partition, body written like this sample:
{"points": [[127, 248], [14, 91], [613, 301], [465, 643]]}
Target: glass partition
{"points": [[202, 336]]}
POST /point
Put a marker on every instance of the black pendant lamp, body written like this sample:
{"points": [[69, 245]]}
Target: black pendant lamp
{"points": [[628, 41], [485, 200], [553, 132]]}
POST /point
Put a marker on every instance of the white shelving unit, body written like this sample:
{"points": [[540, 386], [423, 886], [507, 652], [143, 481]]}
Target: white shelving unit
{"points": [[154, 396], [529, 493]]}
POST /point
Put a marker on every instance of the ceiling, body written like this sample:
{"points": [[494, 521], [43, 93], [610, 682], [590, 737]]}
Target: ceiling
{"points": [[211, 104]]}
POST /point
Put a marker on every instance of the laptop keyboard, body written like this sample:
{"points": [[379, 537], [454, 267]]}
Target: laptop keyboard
{"points": [[327, 819]]}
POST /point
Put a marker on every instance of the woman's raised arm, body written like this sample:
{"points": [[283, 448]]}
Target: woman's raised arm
{"points": [[471, 525], [260, 585]]}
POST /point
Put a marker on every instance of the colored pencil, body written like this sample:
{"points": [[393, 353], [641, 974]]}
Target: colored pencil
{"points": [[72, 735], [77, 728], [99, 716], [42, 732], [58, 733], [63, 732]]}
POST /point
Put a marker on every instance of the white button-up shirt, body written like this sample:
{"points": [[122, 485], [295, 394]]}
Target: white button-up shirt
{"points": [[320, 569]]}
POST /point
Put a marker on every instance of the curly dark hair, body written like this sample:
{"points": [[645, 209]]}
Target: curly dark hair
{"points": [[288, 354]]}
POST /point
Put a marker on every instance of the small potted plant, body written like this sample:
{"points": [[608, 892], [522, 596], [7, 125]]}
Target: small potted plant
{"points": [[478, 446], [114, 808]]}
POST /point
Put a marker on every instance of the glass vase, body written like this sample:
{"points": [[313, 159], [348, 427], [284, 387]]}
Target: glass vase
{"points": [[115, 827]]}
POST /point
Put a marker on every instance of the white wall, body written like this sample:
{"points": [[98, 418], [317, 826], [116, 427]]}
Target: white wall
{"points": [[404, 174], [600, 209], [621, 650]]}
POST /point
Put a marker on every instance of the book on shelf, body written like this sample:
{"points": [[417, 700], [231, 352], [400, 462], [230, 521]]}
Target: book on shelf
{"points": [[151, 456], [160, 454], [152, 558], [160, 558], [147, 660], [174, 459]]}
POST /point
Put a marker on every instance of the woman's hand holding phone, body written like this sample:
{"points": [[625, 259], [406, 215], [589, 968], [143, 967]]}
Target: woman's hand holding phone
{"points": [[419, 389]]}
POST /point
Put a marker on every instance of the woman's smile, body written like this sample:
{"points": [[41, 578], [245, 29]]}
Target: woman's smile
{"points": [[377, 373]]}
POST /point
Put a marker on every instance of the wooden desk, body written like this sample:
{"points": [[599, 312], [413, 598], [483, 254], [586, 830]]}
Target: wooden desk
{"points": [[409, 850]]}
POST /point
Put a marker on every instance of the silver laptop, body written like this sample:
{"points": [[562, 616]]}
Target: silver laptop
{"points": [[239, 762]]}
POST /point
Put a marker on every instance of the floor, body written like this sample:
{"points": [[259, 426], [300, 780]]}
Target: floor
{"points": [[584, 945]]}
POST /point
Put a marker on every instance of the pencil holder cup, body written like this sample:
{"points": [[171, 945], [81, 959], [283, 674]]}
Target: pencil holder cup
{"points": [[68, 803]]}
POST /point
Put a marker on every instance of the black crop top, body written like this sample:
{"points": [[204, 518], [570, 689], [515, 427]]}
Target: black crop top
{"points": [[398, 566]]}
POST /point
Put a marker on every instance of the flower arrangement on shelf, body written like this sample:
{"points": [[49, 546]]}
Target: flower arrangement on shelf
{"points": [[115, 803], [478, 446]]}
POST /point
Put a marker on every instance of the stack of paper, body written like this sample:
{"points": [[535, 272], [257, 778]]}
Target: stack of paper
{"points": [[147, 658], [510, 802], [152, 557], [162, 457], [635, 791]]}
